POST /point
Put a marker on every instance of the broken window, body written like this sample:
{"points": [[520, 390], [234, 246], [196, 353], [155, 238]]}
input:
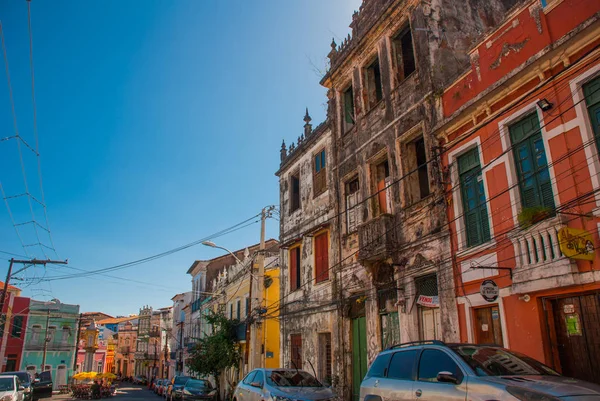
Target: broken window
{"points": [[295, 192], [319, 173], [351, 205], [294, 268], [325, 371], [417, 171], [382, 180], [373, 83], [349, 114], [321, 257], [296, 351], [404, 55]]}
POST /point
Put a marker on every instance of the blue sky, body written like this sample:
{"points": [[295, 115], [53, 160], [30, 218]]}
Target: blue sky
{"points": [[159, 123]]}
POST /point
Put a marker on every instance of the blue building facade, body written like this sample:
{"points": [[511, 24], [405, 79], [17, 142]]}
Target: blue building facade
{"points": [[54, 325]]}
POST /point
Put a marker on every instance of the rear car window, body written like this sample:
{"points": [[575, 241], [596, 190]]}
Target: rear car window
{"points": [[434, 361], [401, 366], [380, 365]]}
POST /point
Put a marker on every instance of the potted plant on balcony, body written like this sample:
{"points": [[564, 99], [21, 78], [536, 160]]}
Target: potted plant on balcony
{"points": [[532, 215]]}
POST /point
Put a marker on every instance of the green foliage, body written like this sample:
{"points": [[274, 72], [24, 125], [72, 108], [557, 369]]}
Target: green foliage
{"points": [[531, 215], [218, 351]]}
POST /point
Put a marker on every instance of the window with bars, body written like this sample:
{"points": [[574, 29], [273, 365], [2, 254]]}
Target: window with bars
{"points": [[325, 361], [296, 351], [294, 268], [591, 91], [319, 173], [352, 188], [373, 84], [477, 226], [404, 56], [321, 257], [390, 329], [531, 163], [349, 112]]}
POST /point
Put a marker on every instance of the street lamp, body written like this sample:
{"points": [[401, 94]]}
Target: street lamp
{"points": [[213, 245]]}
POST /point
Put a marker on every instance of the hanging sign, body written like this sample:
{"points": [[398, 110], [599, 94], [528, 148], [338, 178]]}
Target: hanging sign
{"points": [[429, 301], [489, 290], [576, 244], [569, 308]]}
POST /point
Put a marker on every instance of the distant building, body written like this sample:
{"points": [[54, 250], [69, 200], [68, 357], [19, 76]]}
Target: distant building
{"points": [[13, 324], [51, 327], [125, 349]]}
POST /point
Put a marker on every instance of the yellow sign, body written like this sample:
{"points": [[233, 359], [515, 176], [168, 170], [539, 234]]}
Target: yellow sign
{"points": [[576, 244]]}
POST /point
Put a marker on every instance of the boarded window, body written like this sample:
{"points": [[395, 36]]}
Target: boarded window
{"points": [[294, 268], [319, 173], [294, 192], [325, 361], [296, 351], [382, 175], [373, 83], [404, 55], [352, 188], [349, 113], [477, 226], [321, 257], [531, 163]]}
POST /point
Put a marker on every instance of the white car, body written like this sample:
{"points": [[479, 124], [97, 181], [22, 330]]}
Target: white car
{"points": [[11, 389]]}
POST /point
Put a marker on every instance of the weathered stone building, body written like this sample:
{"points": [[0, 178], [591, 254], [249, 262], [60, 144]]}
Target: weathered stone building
{"points": [[309, 312], [384, 206]]}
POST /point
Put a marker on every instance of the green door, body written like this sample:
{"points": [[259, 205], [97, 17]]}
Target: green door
{"points": [[359, 354]]}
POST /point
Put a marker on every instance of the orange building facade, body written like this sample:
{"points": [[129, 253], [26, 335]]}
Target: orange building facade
{"points": [[522, 174]]}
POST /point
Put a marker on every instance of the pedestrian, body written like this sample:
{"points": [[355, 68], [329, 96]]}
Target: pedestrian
{"points": [[95, 390]]}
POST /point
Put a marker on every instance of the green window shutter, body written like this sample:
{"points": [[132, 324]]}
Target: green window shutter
{"points": [[477, 224], [531, 163], [591, 90]]}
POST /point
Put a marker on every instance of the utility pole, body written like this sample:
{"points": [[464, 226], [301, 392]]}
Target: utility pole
{"points": [[46, 341], [77, 342], [24, 262], [260, 278]]}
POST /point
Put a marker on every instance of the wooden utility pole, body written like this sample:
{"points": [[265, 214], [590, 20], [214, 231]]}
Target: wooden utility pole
{"points": [[24, 262], [260, 286]]}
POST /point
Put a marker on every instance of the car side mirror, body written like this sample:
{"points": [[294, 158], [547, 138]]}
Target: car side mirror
{"points": [[36, 380], [21, 388], [256, 384], [447, 377]]}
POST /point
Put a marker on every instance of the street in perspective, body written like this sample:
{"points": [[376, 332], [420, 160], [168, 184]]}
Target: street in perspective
{"points": [[341, 200]]}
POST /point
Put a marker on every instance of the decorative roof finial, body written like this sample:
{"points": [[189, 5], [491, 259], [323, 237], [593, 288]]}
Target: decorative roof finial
{"points": [[333, 44], [283, 151], [307, 126]]}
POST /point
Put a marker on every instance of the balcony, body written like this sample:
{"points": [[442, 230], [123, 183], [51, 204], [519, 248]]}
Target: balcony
{"points": [[377, 238], [125, 350], [539, 262]]}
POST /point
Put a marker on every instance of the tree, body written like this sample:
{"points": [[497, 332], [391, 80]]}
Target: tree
{"points": [[217, 351]]}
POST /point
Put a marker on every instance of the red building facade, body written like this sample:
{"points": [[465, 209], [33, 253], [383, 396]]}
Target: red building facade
{"points": [[521, 167], [13, 325]]}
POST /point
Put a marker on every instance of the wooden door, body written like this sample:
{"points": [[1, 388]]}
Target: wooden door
{"points": [[488, 328], [577, 334], [430, 323], [359, 354]]}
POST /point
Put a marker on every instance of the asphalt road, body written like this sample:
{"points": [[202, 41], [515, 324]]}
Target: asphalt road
{"points": [[125, 391]]}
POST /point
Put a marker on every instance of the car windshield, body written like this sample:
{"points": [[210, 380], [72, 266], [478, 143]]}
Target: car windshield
{"points": [[292, 378], [494, 361], [7, 384], [198, 384], [181, 380]]}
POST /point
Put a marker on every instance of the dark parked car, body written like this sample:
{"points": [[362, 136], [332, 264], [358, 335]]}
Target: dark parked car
{"points": [[26, 382], [177, 383], [198, 390], [42, 385]]}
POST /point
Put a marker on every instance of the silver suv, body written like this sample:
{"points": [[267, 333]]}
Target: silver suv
{"points": [[435, 371]]}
